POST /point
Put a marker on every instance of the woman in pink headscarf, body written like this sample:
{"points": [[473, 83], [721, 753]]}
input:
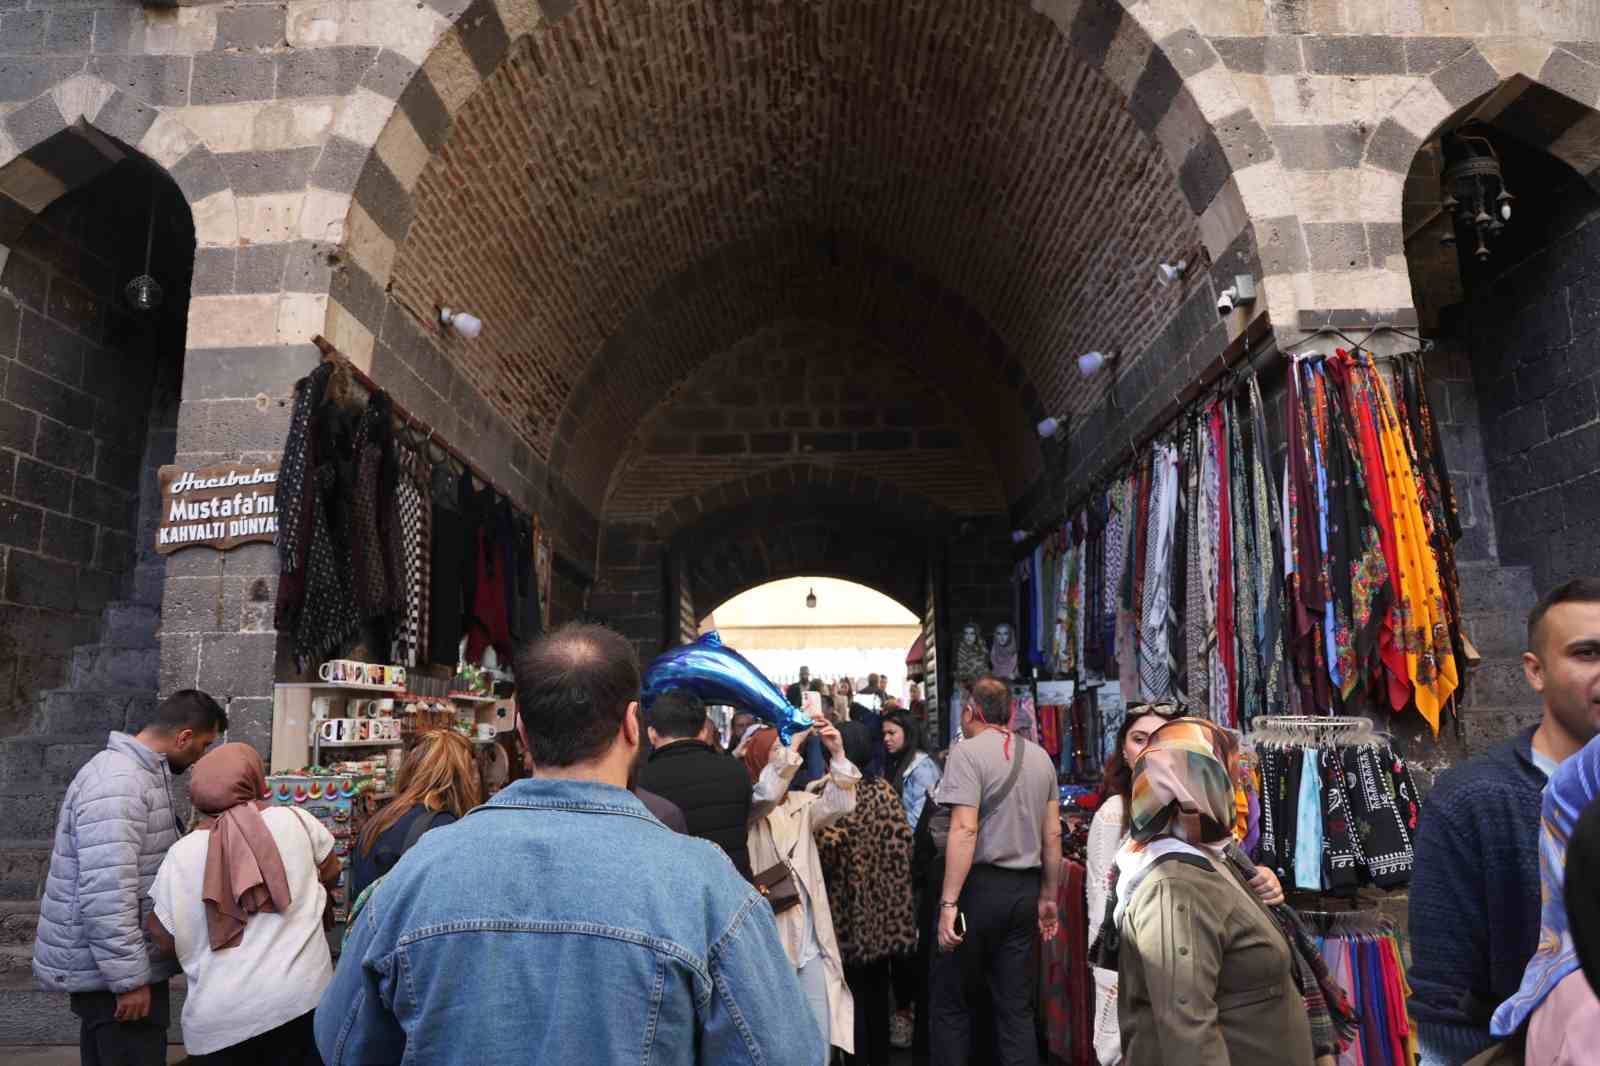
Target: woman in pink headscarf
{"points": [[240, 902]]}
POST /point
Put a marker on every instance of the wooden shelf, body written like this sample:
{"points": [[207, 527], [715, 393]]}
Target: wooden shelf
{"points": [[361, 743], [462, 696], [339, 686]]}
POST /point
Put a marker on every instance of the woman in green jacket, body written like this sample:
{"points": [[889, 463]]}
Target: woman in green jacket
{"points": [[1205, 975]]}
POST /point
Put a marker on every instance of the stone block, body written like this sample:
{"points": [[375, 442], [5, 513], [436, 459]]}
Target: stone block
{"points": [[423, 106], [1337, 245], [27, 388], [39, 483], [189, 30], [1570, 407], [34, 123], [1354, 55], [268, 219], [25, 77], [1243, 55], [22, 32], [389, 74], [339, 167], [68, 539], [1318, 147], [51, 348], [241, 373], [1392, 147], [230, 77], [237, 664], [259, 267], [251, 27], [257, 173], [104, 505], [33, 581], [1465, 78], [161, 80], [322, 71], [57, 444]]}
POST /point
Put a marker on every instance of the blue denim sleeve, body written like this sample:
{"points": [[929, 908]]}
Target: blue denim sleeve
{"points": [[354, 1023], [757, 1011]]}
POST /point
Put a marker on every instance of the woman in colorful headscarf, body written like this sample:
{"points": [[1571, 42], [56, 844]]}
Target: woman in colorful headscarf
{"points": [[1205, 974], [1556, 1003], [240, 902]]}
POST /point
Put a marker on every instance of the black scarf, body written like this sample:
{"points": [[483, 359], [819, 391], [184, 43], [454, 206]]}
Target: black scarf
{"points": [[1341, 865], [1382, 841], [292, 497]]}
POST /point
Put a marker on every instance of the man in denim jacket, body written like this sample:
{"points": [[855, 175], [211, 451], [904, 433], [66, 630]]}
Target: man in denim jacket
{"points": [[561, 922]]}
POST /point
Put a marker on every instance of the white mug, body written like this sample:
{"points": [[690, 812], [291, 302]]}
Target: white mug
{"points": [[321, 707], [335, 729], [485, 730]]}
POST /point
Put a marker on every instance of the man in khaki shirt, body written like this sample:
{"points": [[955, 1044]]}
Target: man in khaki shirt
{"points": [[1002, 872]]}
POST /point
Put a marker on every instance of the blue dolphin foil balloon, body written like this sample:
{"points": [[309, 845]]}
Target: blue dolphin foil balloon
{"points": [[718, 674]]}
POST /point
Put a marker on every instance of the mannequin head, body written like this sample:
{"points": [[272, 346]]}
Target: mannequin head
{"points": [[969, 633], [1002, 635]]}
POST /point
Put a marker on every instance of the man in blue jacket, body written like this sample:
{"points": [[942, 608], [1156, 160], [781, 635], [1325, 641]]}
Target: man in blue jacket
{"points": [[1474, 911], [561, 922]]}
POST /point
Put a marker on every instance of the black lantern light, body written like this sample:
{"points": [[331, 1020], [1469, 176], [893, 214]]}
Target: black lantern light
{"points": [[144, 292], [811, 598], [1474, 187]]}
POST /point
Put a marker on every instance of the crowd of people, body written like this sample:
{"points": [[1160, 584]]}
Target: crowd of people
{"points": [[655, 892]]}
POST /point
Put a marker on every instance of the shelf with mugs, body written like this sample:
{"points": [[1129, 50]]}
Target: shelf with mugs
{"points": [[466, 697], [360, 743], [341, 686]]}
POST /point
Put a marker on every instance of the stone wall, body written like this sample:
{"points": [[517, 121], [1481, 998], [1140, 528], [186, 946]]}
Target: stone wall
{"points": [[80, 379], [1531, 326]]}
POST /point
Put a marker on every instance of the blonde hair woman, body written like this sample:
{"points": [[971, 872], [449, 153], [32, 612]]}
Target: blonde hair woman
{"points": [[438, 783]]}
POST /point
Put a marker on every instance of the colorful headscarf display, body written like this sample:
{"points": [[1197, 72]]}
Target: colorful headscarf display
{"points": [[1571, 789]]}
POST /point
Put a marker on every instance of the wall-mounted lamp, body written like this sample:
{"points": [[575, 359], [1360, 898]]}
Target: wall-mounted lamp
{"points": [[1053, 427], [1167, 273], [811, 598], [468, 326], [1091, 363]]}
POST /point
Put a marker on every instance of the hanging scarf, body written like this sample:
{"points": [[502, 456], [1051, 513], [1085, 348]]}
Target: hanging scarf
{"points": [[1396, 685], [328, 616], [1228, 696], [1269, 603], [1177, 578], [1430, 661], [1382, 841], [1245, 552], [1341, 871], [1154, 668], [1116, 551], [1195, 613], [371, 578], [293, 495], [244, 873]]}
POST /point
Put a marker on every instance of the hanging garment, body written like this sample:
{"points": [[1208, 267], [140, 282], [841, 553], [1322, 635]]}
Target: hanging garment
{"points": [[294, 494], [1396, 683], [1154, 665], [1448, 520], [1430, 659], [1341, 871], [446, 608], [328, 616], [1383, 844], [1196, 658], [413, 511], [1243, 570], [1271, 849], [1177, 577], [1116, 553], [1228, 695], [1127, 626], [1269, 602], [1308, 827]]}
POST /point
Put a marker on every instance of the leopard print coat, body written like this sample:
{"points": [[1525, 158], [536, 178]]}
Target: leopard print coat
{"points": [[866, 862]]}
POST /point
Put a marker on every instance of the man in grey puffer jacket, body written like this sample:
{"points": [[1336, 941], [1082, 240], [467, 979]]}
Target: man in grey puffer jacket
{"points": [[116, 823]]}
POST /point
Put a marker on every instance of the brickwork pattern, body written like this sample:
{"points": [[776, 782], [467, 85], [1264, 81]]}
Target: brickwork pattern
{"points": [[804, 391]]}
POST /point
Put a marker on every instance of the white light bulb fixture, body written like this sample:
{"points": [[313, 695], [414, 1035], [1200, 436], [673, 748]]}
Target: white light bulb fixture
{"points": [[1167, 273], [466, 325], [1051, 427], [1091, 363], [1018, 536]]}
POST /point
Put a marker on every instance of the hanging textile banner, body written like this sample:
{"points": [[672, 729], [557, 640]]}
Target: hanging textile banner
{"points": [[217, 507]]}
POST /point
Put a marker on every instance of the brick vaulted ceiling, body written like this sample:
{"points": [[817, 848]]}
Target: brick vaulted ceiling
{"points": [[650, 185]]}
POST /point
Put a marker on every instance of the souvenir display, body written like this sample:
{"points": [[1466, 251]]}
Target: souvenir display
{"points": [[335, 801]]}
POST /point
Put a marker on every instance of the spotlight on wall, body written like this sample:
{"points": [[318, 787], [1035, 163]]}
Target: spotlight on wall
{"points": [[1054, 426], [1091, 363], [1167, 273], [468, 326], [1018, 536]]}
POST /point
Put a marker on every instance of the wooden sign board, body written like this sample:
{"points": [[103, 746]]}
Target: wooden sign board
{"points": [[217, 507]]}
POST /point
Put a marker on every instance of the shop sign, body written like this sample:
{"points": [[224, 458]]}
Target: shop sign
{"points": [[217, 507]]}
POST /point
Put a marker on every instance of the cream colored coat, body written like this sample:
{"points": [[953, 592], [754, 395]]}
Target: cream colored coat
{"points": [[779, 820]]}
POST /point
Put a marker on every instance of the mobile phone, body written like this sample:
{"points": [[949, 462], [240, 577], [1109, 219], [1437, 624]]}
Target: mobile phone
{"points": [[961, 924]]}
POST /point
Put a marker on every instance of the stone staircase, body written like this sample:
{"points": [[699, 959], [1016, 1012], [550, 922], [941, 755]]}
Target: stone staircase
{"points": [[110, 685]]}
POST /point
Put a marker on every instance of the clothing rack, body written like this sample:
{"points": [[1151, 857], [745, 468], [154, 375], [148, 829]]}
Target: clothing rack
{"points": [[331, 354], [1312, 729]]}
